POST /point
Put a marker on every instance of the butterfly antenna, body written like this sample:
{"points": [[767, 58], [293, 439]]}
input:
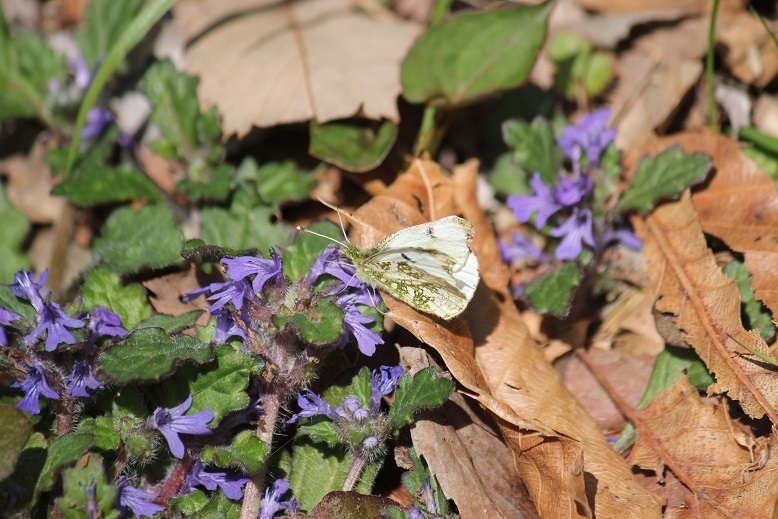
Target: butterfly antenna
{"points": [[303, 229]]}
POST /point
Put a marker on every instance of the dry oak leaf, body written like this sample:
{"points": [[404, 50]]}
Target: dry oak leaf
{"points": [[269, 62], [706, 304], [739, 205], [554, 463], [700, 445]]}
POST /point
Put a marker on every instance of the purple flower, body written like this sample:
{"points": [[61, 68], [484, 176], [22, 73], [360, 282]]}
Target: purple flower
{"points": [[81, 73], [577, 229], [415, 513], [91, 500], [97, 120], [103, 322], [271, 502], [352, 410], [570, 192], [235, 292], [81, 378], [139, 501], [383, 381], [312, 405], [625, 236], [6, 318], [543, 202], [589, 135], [172, 422], [231, 484], [26, 287], [519, 248], [354, 325], [34, 385], [225, 326], [263, 269], [331, 261], [54, 323]]}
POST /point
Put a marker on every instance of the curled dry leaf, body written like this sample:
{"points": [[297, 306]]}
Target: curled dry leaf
{"points": [[706, 306], [702, 448], [265, 62], [556, 445]]}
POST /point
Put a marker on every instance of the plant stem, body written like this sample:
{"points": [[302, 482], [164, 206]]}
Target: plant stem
{"points": [[426, 131], [709, 79], [439, 10], [357, 466]]}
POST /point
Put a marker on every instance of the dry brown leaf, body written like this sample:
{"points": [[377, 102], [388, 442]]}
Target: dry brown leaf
{"points": [[748, 51], [739, 205], [629, 6], [766, 114], [549, 459], [468, 456], [168, 291], [265, 62], [700, 445], [30, 184], [706, 306]]}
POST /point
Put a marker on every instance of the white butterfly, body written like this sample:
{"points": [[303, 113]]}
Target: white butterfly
{"points": [[429, 266]]}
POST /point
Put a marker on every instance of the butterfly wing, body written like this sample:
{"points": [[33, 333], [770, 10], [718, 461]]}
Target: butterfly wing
{"points": [[428, 266]]}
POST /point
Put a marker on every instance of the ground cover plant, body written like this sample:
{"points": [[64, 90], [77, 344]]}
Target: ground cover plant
{"points": [[571, 314]]}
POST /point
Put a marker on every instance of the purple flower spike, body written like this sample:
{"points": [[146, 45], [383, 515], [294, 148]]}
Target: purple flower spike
{"points": [[383, 381], [172, 422], [519, 248], [103, 322], [81, 378], [354, 324], [6, 318], [577, 229], [139, 501], [231, 484], [54, 323], [271, 502], [263, 269], [312, 405], [589, 135], [543, 202], [570, 192], [220, 294], [34, 385]]}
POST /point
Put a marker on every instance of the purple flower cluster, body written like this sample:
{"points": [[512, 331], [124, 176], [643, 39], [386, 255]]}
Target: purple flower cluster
{"points": [[172, 422], [351, 292], [271, 502], [230, 483], [139, 501], [33, 386]]}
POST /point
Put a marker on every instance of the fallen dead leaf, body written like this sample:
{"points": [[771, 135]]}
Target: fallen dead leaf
{"points": [[766, 114], [168, 290], [628, 6], [264, 62], [702, 448], [30, 184], [706, 305], [748, 51]]}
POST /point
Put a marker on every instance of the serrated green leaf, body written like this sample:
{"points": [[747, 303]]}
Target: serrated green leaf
{"points": [[171, 323], [534, 148], [16, 304], [301, 254], [190, 504], [469, 56], [104, 22], [100, 184], [362, 388], [320, 324], [103, 287], [246, 452], [321, 430], [665, 176], [150, 354], [277, 182], [553, 293], [104, 431], [758, 316], [355, 145], [61, 452], [216, 187], [222, 388], [316, 470], [219, 507], [85, 488], [174, 105], [15, 431], [422, 391], [507, 177], [133, 240], [599, 73], [247, 224], [13, 232]]}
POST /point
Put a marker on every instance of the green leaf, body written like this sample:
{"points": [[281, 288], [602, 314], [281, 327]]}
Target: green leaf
{"points": [[174, 105], [77, 501], [356, 145], [171, 323], [301, 254], [134, 240], [215, 186], [15, 431], [100, 184], [321, 430], [104, 430], [150, 354], [63, 451], [507, 177], [222, 387], [191, 504], [316, 471], [247, 224], [571, 54], [246, 452], [362, 388], [103, 287], [757, 315], [319, 324], [599, 73], [422, 391], [534, 148], [469, 56], [104, 22], [16, 304], [13, 233], [665, 176], [553, 293], [277, 182]]}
